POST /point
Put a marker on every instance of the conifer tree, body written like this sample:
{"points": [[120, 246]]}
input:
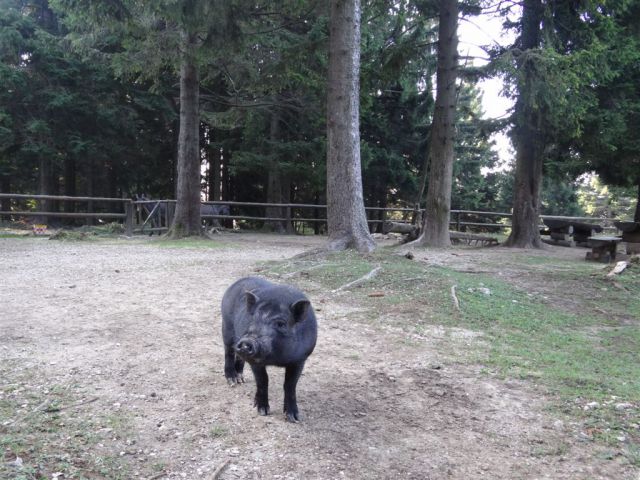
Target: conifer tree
{"points": [[346, 216]]}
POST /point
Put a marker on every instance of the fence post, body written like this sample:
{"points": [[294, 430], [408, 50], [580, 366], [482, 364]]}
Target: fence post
{"points": [[128, 221], [458, 215]]}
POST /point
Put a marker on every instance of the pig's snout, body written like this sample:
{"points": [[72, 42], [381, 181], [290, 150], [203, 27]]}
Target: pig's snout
{"points": [[247, 347]]}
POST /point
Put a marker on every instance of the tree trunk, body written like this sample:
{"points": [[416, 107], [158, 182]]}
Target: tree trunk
{"points": [[382, 203], [636, 215], [346, 216], [316, 214], [215, 179], [5, 187], [288, 191], [435, 225], [186, 221], [274, 181], [90, 188], [45, 187], [274, 195], [69, 183], [112, 180], [525, 232]]}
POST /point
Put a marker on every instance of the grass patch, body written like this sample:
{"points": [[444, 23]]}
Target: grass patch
{"points": [[106, 229], [217, 431], [40, 436], [13, 235], [93, 232], [532, 338], [71, 236], [193, 242], [580, 356]]}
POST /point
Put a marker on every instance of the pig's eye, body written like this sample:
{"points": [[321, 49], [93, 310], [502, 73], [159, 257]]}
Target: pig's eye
{"points": [[281, 324]]}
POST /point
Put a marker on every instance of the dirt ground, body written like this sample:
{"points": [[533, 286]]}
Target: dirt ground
{"points": [[133, 329]]}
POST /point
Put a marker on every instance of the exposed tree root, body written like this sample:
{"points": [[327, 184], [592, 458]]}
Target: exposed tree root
{"points": [[456, 303], [359, 281]]}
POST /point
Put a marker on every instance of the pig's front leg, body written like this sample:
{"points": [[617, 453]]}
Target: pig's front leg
{"points": [[262, 389], [291, 376], [232, 366]]}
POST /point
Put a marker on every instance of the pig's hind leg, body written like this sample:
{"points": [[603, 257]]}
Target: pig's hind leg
{"points": [[291, 377]]}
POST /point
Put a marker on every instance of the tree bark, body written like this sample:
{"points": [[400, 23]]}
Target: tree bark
{"points": [[69, 183], [435, 225], [5, 187], [346, 216], [45, 186], [636, 215], [186, 221], [274, 181], [525, 232], [215, 177], [382, 203]]}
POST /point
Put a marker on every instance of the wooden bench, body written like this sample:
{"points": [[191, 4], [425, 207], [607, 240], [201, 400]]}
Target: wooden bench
{"points": [[603, 249], [568, 232], [630, 235]]}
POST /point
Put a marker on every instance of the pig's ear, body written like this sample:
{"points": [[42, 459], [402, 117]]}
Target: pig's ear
{"points": [[252, 300], [299, 309]]}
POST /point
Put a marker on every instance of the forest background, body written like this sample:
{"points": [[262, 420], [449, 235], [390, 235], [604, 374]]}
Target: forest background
{"points": [[89, 103]]}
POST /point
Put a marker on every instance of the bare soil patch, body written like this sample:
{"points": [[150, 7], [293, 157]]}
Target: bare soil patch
{"points": [[130, 332]]}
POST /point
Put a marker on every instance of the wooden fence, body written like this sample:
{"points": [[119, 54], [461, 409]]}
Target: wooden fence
{"points": [[136, 219], [125, 215]]}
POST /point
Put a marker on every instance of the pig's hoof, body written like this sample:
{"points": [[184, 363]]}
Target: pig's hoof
{"points": [[291, 415], [262, 404], [233, 381]]}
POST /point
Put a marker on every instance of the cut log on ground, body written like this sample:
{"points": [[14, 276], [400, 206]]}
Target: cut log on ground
{"points": [[618, 269], [472, 239], [412, 232], [398, 227]]}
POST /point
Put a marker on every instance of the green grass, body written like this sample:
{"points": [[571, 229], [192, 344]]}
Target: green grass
{"points": [[46, 437], [13, 235], [576, 354], [217, 431], [188, 243], [531, 337], [72, 236]]}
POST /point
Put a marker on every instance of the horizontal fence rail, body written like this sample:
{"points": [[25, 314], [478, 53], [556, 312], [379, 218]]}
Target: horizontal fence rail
{"points": [[155, 215], [63, 198], [126, 215]]}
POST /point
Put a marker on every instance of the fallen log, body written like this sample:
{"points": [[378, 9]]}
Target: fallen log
{"points": [[397, 227], [469, 238], [618, 269], [456, 237]]}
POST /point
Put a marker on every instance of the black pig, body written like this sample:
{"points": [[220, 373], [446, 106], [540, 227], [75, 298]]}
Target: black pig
{"points": [[267, 324]]}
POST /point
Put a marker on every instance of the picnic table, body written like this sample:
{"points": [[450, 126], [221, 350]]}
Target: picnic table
{"points": [[570, 232], [603, 248], [630, 235]]}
